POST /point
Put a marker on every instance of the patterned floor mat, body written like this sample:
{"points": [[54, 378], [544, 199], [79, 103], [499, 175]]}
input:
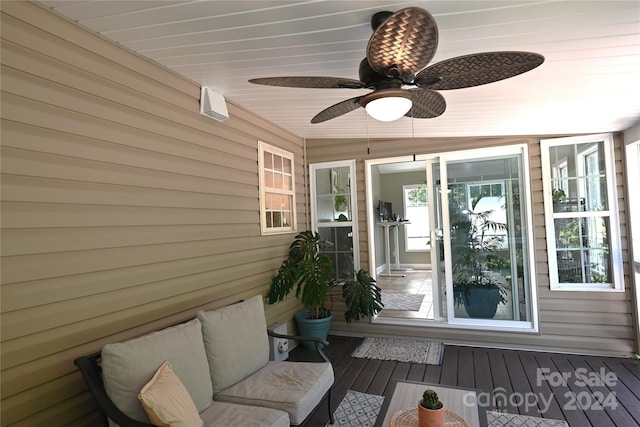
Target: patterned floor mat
{"points": [[414, 351], [358, 410]]}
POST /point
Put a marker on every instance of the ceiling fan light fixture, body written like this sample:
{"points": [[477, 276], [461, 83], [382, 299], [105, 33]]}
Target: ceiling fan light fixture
{"points": [[387, 107], [403, 43]]}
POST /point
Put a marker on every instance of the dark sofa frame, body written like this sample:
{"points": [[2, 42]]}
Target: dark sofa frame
{"points": [[91, 371]]}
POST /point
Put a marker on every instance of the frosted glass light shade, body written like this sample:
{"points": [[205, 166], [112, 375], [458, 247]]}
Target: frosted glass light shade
{"points": [[389, 108]]}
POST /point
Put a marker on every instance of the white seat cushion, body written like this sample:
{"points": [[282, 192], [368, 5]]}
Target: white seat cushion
{"points": [[294, 387], [230, 414]]}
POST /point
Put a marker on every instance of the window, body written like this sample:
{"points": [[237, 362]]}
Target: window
{"points": [[277, 190], [416, 211], [581, 213], [334, 215]]}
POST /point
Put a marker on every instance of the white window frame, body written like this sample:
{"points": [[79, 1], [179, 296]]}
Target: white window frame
{"points": [[266, 191], [612, 213], [427, 247], [350, 223]]}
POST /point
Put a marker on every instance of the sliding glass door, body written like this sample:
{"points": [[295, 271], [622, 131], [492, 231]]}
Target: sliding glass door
{"points": [[481, 248], [480, 234]]}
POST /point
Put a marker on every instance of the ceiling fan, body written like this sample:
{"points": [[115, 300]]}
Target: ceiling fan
{"points": [[402, 45]]}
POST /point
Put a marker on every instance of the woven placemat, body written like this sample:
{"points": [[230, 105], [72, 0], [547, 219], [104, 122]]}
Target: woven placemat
{"points": [[409, 418]]}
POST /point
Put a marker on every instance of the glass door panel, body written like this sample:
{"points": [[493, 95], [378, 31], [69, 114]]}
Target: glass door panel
{"points": [[479, 236], [486, 238], [437, 243], [337, 243]]}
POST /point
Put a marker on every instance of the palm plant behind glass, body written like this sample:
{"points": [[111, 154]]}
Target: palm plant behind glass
{"points": [[474, 239]]}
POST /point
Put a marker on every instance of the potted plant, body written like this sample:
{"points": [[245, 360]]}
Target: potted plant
{"points": [[557, 196], [310, 273], [474, 247], [430, 410]]}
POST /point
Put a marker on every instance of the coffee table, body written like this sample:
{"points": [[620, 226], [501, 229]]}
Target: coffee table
{"points": [[406, 394]]}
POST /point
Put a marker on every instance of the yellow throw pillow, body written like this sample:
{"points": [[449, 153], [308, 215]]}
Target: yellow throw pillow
{"points": [[167, 402]]}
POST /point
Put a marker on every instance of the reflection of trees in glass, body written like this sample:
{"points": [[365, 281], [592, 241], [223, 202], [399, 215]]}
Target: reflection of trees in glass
{"points": [[588, 260], [418, 196], [597, 276], [569, 236], [478, 191]]}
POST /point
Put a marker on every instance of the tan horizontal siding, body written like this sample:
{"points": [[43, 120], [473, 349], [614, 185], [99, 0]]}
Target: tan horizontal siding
{"points": [[574, 317], [587, 322], [553, 343], [123, 209]]}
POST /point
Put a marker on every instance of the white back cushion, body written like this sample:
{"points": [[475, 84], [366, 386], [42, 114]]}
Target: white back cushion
{"points": [[128, 366], [236, 341]]}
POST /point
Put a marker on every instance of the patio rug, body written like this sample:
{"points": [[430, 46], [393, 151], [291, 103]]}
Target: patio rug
{"points": [[406, 302], [500, 419], [361, 410], [357, 409], [401, 350]]}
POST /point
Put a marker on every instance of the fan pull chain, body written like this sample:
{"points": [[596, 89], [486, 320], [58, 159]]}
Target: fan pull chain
{"points": [[366, 120], [413, 132]]}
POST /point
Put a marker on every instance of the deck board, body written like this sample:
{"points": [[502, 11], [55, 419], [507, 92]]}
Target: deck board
{"points": [[501, 382], [482, 374], [624, 395], [487, 369], [545, 401]]}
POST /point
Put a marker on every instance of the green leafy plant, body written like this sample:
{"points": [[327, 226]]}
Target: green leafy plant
{"points": [[557, 194], [475, 245], [362, 296], [310, 273], [430, 400], [340, 202], [497, 262]]}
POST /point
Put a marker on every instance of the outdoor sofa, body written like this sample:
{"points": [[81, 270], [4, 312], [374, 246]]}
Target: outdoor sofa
{"points": [[211, 370]]}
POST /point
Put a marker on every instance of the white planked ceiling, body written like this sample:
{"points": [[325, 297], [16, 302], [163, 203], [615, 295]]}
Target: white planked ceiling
{"points": [[589, 82]]}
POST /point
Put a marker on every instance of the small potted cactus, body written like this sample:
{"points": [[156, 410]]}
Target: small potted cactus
{"points": [[430, 410]]}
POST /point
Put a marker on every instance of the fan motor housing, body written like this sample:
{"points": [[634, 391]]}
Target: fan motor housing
{"points": [[374, 80], [378, 18]]}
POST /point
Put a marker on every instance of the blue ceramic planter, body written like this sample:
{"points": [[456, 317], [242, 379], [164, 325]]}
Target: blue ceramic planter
{"points": [[316, 328]]}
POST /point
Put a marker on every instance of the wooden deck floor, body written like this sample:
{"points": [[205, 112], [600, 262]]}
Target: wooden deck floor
{"points": [[583, 390]]}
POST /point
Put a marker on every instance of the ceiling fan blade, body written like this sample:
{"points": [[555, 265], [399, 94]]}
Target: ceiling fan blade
{"points": [[476, 69], [337, 110], [427, 104], [404, 43], [310, 82]]}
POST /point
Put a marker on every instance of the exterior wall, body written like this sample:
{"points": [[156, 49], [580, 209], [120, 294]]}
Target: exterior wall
{"points": [[632, 173], [583, 322], [123, 209]]}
